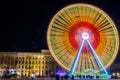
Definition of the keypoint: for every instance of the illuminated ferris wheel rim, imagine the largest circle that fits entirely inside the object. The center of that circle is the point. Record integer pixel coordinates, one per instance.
(74, 5)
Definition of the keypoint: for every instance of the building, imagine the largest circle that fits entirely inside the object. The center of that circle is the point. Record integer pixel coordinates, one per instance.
(115, 70)
(27, 63)
(39, 63)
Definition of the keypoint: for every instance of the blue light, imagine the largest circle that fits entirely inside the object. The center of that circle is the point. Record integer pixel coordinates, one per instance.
(72, 70)
(97, 58)
(85, 37)
(61, 72)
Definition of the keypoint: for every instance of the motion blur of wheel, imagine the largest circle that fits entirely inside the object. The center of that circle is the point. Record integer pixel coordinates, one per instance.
(64, 37)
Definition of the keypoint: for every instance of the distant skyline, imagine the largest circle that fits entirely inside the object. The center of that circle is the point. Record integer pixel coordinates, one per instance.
(25, 22)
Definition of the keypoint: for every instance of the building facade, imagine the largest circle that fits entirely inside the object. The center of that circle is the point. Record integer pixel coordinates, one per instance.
(115, 70)
(27, 63)
(39, 63)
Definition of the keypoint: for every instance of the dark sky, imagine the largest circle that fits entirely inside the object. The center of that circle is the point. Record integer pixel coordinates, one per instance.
(24, 23)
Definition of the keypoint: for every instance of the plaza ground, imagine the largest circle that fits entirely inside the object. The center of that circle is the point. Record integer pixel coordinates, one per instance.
(49, 79)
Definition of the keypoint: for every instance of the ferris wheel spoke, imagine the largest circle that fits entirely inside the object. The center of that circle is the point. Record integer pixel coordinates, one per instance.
(105, 29)
(78, 16)
(66, 18)
(96, 57)
(69, 17)
(103, 21)
(106, 23)
(61, 29)
(78, 9)
(93, 64)
(61, 24)
(97, 17)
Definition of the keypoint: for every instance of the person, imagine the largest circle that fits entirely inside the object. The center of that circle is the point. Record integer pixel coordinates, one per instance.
(32, 76)
(80, 76)
(66, 77)
(57, 77)
(72, 77)
(52, 76)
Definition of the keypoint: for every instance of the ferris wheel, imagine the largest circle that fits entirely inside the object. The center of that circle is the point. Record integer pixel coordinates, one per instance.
(82, 36)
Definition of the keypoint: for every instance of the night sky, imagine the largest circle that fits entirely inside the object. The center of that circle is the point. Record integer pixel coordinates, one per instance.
(24, 23)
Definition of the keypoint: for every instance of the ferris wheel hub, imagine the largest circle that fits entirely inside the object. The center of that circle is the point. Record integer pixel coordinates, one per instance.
(85, 36)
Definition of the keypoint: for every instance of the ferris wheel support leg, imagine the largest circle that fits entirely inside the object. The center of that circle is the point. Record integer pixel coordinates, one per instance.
(97, 58)
(74, 64)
